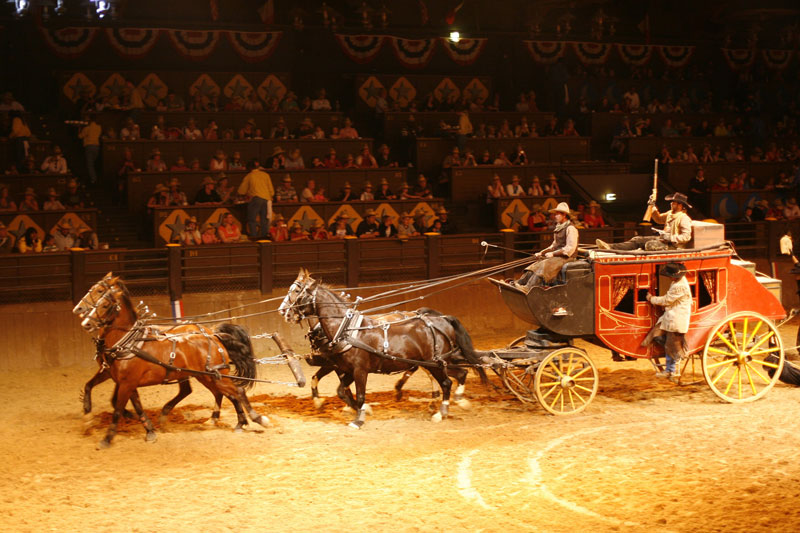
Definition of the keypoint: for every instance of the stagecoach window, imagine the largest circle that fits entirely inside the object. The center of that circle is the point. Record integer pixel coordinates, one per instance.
(623, 297)
(707, 289)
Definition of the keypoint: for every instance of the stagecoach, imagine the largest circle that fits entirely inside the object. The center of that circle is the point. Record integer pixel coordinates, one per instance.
(733, 341)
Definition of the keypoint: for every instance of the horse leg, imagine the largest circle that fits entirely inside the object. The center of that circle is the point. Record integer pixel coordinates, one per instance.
(445, 383)
(345, 394)
(321, 373)
(148, 426)
(398, 387)
(184, 390)
(100, 376)
(127, 414)
(461, 378)
(360, 378)
(254, 415)
(218, 396)
(123, 394)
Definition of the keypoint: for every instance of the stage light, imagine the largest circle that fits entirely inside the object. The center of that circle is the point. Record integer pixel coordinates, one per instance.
(610, 196)
(455, 36)
(21, 7)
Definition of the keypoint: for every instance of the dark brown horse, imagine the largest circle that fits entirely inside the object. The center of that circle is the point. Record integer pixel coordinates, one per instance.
(138, 356)
(432, 341)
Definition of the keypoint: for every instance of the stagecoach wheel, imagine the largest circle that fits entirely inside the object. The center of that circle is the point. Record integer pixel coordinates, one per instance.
(691, 370)
(739, 355)
(520, 340)
(518, 376)
(566, 381)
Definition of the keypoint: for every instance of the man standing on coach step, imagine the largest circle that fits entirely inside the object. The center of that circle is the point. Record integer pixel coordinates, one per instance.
(258, 186)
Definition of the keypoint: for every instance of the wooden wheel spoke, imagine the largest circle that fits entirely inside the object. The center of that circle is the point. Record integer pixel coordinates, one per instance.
(578, 396)
(559, 395)
(762, 340)
(730, 381)
(769, 350)
(740, 383)
(582, 379)
(723, 339)
(725, 362)
(549, 375)
(750, 380)
(721, 352)
(719, 376)
(583, 388)
(582, 372)
(753, 335)
(765, 363)
(571, 401)
(548, 393)
(752, 366)
(732, 329)
(554, 367)
(551, 384)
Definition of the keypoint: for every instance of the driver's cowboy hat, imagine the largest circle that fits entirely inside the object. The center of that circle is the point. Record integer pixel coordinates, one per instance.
(680, 198)
(673, 270)
(562, 208)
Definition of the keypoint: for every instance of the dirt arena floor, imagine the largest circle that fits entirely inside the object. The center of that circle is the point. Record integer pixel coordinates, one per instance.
(645, 456)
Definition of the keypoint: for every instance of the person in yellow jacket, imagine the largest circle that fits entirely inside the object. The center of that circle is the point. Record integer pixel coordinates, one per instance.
(90, 135)
(258, 186)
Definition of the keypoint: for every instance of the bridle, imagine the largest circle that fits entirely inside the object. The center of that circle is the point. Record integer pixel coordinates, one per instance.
(99, 318)
(294, 306)
(89, 300)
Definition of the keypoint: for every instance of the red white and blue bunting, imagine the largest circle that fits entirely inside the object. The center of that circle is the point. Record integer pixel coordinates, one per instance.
(777, 59)
(676, 56)
(69, 42)
(635, 54)
(739, 58)
(194, 44)
(546, 52)
(465, 51)
(361, 48)
(592, 53)
(413, 53)
(254, 47)
(132, 43)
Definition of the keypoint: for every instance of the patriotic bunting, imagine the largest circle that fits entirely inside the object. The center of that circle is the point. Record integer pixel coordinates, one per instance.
(739, 58)
(413, 53)
(676, 56)
(194, 44)
(132, 43)
(361, 48)
(592, 53)
(69, 42)
(777, 59)
(465, 51)
(635, 54)
(254, 47)
(544, 52)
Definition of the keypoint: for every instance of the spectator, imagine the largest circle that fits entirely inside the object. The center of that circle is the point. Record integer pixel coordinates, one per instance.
(366, 193)
(569, 129)
(348, 131)
(514, 188)
(422, 189)
(464, 129)
(319, 195)
(55, 164)
(667, 130)
(5, 240)
(519, 157)
(387, 227)
(72, 197)
(191, 132)
(289, 103)
(698, 189)
(210, 132)
(248, 130)
(791, 211)
(208, 234)
(307, 194)
(52, 203)
(64, 238)
(495, 189)
(453, 159)
(505, 131)
(721, 184)
(421, 220)
(551, 129)
(29, 202)
(236, 162)
(305, 130)
(384, 193)
(522, 129)
(537, 221)
(535, 189)
(469, 159)
(318, 233)
(130, 131)
(632, 100)
(258, 186)
(155, 163)
(190, 236)
(207, 195)
(180, 165)
(331, 161)
(175, 103)
(285, 191)
(20, 136)
(594, 218)
(321, 102)
(297, 233)
(552, 188)
(703, 130)
(90, 134)
(406, 227)
(229, 230)
(225, 191)
(404, 193)
(29, 166)
(277, 161)
(502, 160)
(522, 104)
(294, 161)
(721, 130)
(384, 159)
(252, 103)
(87, 239)
(29, 242)
(443, 224)
(349, 162)
(365, 159)
(776, 211)
(176, 195)
(346, 194)
(49, 244)
(7, 204)
(368, 228)
(340, 228)
(9, 103)
(485, 159)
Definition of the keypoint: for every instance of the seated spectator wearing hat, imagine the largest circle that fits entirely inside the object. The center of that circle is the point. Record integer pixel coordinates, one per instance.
(297, 233)
(286, 191)
(495, 189)
(346, 193)
(49, 244)
(365, 159)
(155, 163)
(340, 228)
(348, 131)
(406, 227)
(191, 132)
(563, 250)
(405, 192)
(176, 195)
(537, 221)
(698, 188)
(211, 131)
(442, 224)
(676, 234)
(87, 239)
(219, 161)
(552, 188)
(225, 191)
(229, 231)
(502, 160)
(791, 211)
(536, 188)
(279, 130)
(674, 323)
(277, 161)
(453, 159)
(294, 161)
(208, 234)
(318, 233)
(422, 189)
(384, 157)
(307, 194)
(207, 195)
(331, 161)
(305, 130)
(55, 163)
(5, 240)
(514, 188)
(366, 194)
(368, 228)
(349, 162)
(279, 232)
(384, 193)
(721, 184)
(248, 131)
(52, 203)
(29, 242)
(180, 165)
(29, 202)
(387, 227)
(73, 197)
(64, 237)
(29, 165)
(159, 198)
(190, 235)
(594, 218)
(776, 211)
(7, 204)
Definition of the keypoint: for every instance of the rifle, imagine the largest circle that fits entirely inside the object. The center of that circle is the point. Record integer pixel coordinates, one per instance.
(651, 203)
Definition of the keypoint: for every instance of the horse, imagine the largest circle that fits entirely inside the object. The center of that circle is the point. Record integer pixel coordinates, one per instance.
(138, 356)
(436, 342)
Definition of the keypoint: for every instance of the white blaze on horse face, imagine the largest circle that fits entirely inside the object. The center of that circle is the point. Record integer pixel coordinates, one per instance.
(286, 307)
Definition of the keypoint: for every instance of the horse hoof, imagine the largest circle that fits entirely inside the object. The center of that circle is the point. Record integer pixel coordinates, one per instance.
(436, 417)
(238, 430)
(103, 445)
(150, 437)
(356, 424)
(464, 403)
(319, 402)
(367, 408)
(88, 418)
(264, 421)
(162, 420)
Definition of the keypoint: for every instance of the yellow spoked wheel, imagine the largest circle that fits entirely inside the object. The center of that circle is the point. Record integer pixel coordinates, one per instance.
(743, 357)
(566, 381)
(691, 370)
(518, 377)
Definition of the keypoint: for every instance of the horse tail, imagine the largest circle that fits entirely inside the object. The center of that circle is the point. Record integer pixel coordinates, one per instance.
(464, 342)
(236, 340)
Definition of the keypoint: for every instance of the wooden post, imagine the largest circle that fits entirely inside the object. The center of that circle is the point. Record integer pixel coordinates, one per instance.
(174, 271)
(433, 252)
(265, 251)
(78, 265)
(352, 252)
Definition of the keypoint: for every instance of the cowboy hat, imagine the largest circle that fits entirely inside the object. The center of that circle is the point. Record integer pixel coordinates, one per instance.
(2, 226)
(593, 204)
(29, 190)
(680, 198)
(207, 226)
(722, 180)
(52, 191)
(277, 217)
(404, 185)
(161, 188)
(192, 219)
(441, 211)
(287, 178)
(208, 180)
(384, 181)
(672, 270)
(174, 181)
(367, 184)
(369, 213)
(562, 208)
(277, 151)
(346, 185)
(536, 179)
(405, 214)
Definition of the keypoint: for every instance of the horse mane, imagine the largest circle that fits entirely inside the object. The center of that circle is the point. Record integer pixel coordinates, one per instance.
(125, 297)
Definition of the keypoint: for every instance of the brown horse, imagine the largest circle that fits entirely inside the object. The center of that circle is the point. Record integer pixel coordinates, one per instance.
(138, 356)
(365, 345)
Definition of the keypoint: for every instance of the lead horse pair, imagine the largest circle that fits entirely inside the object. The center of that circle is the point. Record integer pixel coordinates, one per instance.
(357, 345)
